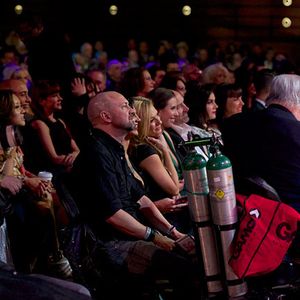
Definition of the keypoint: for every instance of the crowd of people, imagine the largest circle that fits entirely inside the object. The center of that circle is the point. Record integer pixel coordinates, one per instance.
(111, 128)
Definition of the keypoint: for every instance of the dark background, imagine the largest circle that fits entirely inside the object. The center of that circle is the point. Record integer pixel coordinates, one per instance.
(211, 20)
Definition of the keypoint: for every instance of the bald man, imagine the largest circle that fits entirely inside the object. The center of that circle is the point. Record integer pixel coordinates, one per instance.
(135, 234)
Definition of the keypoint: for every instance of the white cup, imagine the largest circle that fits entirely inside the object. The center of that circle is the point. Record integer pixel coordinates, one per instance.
(45, 175)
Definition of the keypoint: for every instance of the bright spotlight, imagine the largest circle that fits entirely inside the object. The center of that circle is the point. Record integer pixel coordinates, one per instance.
(186, 10)
(287, 2)
(18, 9)
(113, 10)
(286, 22)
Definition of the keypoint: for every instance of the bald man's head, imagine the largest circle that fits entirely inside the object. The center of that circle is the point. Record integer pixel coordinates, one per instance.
(101, 102)
(110, 111)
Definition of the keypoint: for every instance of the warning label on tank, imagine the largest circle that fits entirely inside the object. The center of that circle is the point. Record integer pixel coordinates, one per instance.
(220, 194)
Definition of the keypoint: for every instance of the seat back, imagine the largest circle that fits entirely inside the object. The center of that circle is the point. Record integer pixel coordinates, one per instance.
(257, 185)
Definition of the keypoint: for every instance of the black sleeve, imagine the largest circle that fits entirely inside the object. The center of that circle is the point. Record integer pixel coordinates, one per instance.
(141, 152)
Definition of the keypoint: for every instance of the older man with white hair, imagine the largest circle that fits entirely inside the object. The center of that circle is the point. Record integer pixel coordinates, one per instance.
(267, 143)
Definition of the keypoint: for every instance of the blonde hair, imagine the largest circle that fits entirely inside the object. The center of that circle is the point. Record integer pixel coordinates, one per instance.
(142, 106)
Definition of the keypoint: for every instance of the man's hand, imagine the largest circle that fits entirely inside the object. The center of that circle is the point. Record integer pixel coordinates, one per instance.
(78, 86)
(11, 183)
(163, 242)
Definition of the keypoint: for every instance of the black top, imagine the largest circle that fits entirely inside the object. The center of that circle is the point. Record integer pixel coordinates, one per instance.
(137, 155)
(36, 158)
(105, 184)
(61, 138)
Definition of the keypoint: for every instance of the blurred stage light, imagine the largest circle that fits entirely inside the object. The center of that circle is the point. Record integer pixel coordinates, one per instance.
(287, 2)
(186, 10)
(113, 10)
(286, 22)
(18, 9)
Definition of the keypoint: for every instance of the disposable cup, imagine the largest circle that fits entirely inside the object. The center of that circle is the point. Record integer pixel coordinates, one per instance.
(45, 175)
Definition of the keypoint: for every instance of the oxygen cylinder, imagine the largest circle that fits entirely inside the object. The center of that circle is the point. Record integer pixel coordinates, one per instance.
(224, 214)
(195, 178)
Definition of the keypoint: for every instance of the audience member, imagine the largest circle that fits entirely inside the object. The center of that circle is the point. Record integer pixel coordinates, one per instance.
(215, 73)
(51, 147)
(14, 71)
(149, 152)
(203, 110)
(262, 82)
(32, 246)
(98, 77)
(114, 75)
(151, 156)
(266, 143)
(20, 89)
(174, 80)
(21, 286)
(123, 217)
(165, 102)
(229, 101)
(157, 73)
(137, 82)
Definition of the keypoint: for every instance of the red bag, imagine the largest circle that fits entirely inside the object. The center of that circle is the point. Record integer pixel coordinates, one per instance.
(266, 230)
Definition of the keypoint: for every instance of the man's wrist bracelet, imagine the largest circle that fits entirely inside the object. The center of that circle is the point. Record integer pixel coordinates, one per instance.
(149, 234)
(170, 230)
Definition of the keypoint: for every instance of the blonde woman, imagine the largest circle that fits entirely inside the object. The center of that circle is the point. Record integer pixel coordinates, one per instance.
(150, 153)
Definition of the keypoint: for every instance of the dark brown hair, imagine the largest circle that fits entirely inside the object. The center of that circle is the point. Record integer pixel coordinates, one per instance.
(6, 106)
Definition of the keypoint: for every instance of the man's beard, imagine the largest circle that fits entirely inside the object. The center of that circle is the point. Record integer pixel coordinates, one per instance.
(130, 127)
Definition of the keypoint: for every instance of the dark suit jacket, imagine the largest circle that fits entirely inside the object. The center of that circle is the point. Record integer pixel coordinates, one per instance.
(267, 144)
(177, 139)
(256, 106)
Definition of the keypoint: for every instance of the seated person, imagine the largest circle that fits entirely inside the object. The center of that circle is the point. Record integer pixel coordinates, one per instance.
(228, 97)
(135, 234)
(165, 103)
(266, 143)
(38, 287)
(32, 226)
(150, 154)
(197, 121)
(49, 147)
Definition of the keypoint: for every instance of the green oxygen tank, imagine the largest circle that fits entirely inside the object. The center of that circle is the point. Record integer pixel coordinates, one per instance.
(224, 215)
(195, 177)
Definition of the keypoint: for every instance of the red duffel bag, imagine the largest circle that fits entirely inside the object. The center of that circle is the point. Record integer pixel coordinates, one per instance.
(266, 230)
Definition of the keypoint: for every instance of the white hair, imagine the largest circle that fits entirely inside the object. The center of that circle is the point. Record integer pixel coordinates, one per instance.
(285, 89)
